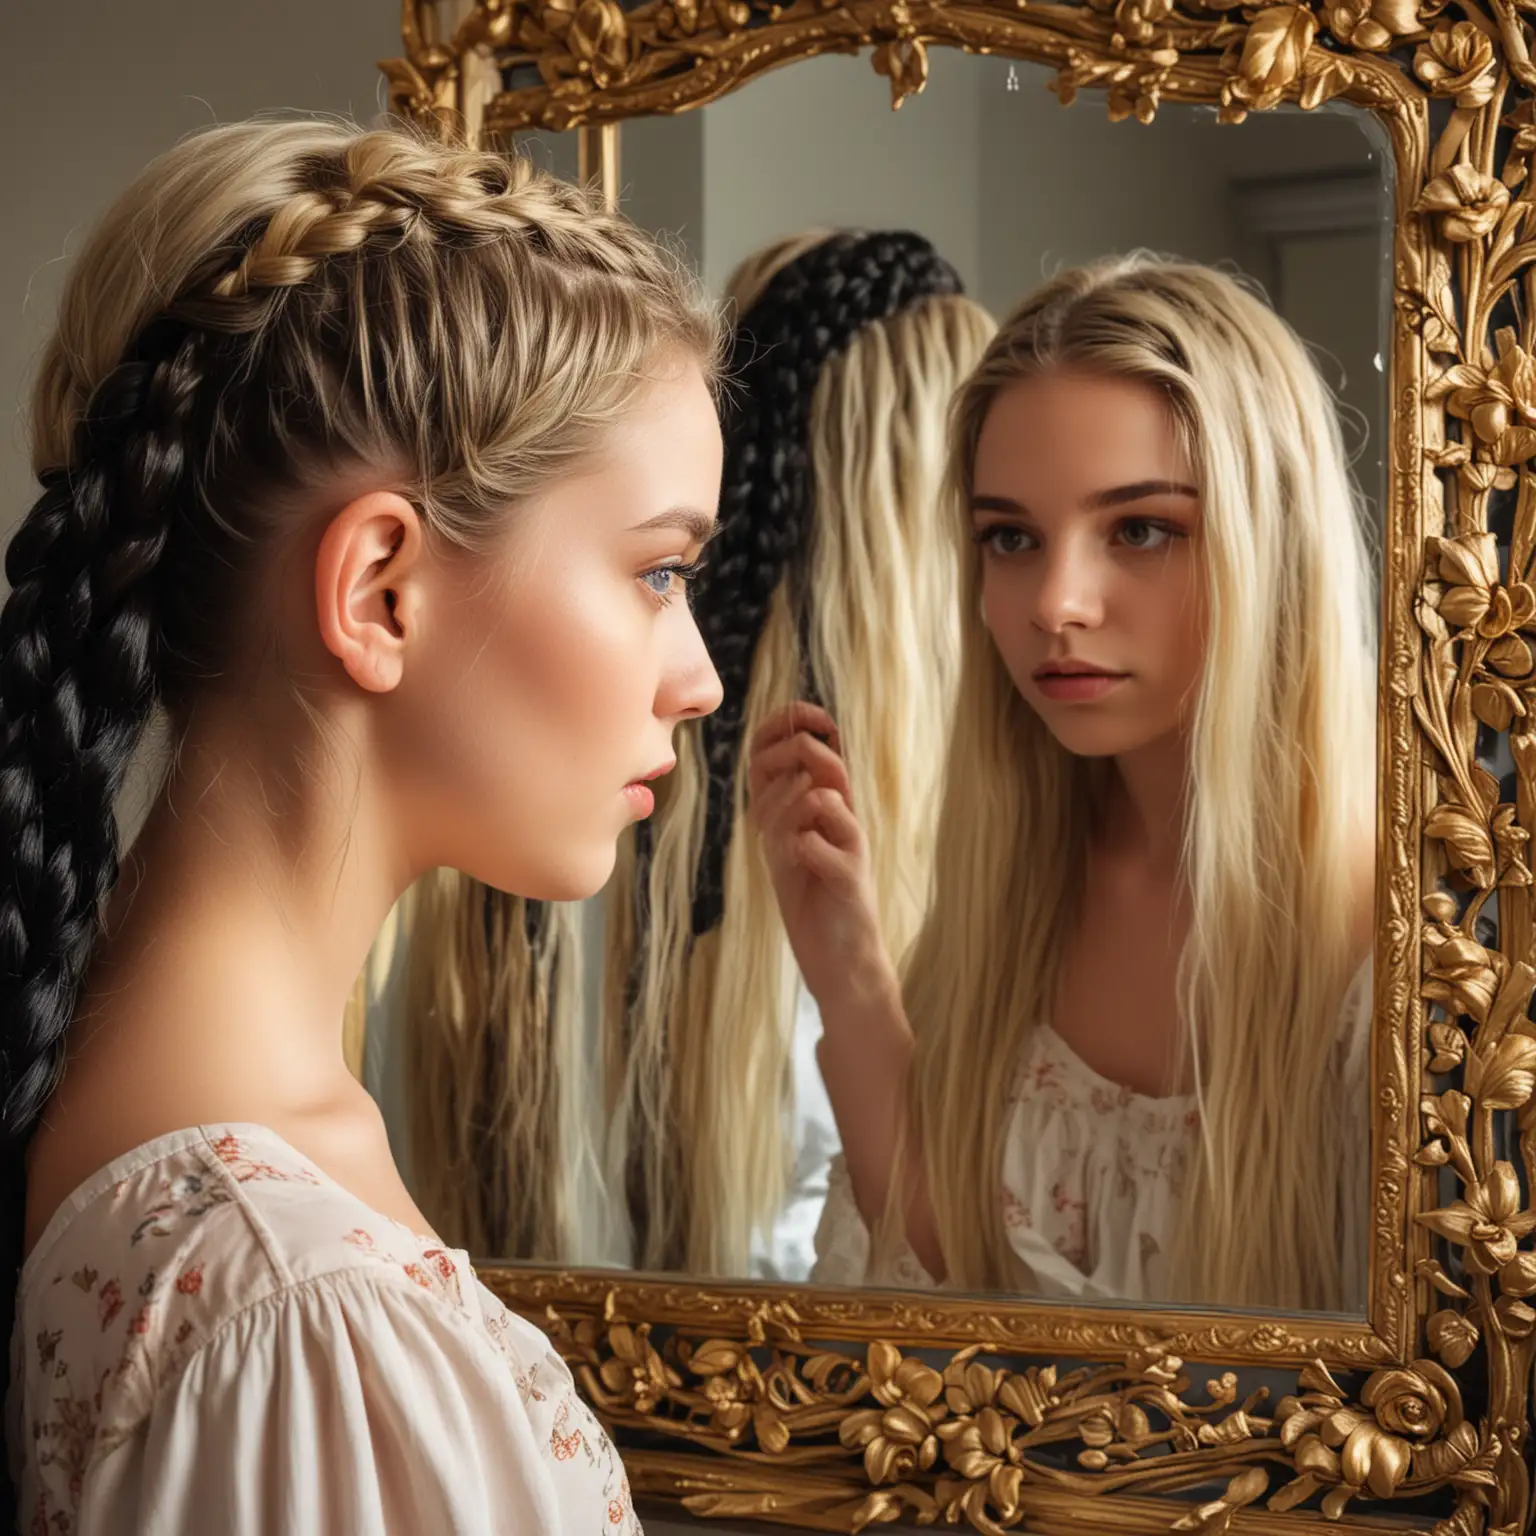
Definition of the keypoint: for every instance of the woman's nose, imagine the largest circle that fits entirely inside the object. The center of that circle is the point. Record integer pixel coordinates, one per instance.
(1070, 593)
(692, 686)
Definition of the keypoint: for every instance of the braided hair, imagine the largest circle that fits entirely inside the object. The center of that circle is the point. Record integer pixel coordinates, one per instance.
(806, 315)
(270, 305)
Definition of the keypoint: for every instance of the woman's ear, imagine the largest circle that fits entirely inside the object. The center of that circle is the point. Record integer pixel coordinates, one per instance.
(368, 587)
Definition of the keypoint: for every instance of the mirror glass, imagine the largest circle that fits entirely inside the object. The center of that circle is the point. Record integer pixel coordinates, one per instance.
(1079, 1142)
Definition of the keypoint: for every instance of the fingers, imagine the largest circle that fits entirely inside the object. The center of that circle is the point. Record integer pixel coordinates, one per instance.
(819, 858)
(766, 809)
(826, 812)
(793, 805)
(799, 716)
(800, 751)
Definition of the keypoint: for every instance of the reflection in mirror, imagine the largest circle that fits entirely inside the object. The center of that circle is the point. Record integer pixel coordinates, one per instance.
(943, 960)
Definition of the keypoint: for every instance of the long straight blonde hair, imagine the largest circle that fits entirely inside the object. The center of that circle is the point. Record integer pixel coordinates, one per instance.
(1276, 849)
(701, 1028)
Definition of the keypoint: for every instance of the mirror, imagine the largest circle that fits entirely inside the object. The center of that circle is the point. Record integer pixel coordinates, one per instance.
(703, 1139)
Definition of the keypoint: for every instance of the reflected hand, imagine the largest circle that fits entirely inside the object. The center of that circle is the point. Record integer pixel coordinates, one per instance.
(800, 800)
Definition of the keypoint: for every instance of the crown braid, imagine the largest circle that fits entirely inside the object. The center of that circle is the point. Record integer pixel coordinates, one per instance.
(807, 314)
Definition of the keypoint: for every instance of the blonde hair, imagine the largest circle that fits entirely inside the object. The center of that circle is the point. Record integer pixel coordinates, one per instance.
(700, 1028)
(1278, 815)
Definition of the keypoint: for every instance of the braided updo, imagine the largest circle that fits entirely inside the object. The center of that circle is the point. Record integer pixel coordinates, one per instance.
(271, 305)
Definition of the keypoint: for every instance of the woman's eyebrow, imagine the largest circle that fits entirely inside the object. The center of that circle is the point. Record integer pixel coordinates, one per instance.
(1114, 496)
(701, 527)
(1004, 504)
(1118, 496)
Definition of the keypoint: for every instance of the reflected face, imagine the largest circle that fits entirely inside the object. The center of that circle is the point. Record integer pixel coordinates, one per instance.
(549, 687)
(1086, 514)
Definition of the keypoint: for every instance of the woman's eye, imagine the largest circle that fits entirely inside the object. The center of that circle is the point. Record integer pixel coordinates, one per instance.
(664, 582)
(1138, 533)
(1005, 539)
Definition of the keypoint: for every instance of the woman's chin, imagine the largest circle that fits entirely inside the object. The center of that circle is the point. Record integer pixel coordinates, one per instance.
(568, 878)
(1099, 738)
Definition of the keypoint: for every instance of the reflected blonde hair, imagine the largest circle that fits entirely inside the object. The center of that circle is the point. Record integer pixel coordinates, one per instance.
(699, 1052)
(1279, 826)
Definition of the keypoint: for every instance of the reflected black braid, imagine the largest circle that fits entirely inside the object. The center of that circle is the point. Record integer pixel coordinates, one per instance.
(78, 682)
(808, 314)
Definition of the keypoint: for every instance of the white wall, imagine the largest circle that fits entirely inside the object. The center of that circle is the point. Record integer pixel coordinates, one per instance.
(91, 91)
(817, 144)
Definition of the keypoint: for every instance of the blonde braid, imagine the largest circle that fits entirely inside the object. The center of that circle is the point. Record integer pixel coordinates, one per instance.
(411, 192)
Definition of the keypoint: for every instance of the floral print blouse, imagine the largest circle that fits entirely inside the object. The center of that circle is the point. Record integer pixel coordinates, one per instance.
(214, 1336)
(1093, 1178)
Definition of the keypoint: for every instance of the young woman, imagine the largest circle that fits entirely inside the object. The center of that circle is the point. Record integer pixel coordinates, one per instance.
(1132, 1033)
(379, 466)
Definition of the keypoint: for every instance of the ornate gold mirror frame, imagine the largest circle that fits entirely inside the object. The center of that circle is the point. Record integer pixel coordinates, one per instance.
(1417, 1418)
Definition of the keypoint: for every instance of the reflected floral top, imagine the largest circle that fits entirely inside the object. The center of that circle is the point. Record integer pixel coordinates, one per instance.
(214, 1336)
(1093, 1175)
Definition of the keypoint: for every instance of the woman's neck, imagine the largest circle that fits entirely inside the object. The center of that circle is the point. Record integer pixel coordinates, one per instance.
(251, 897)
(1144, 805)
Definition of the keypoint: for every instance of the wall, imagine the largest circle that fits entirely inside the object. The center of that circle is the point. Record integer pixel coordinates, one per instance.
(90, 92)
(818, 144)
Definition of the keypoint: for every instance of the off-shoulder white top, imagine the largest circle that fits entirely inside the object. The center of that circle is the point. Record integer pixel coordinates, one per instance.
(214, 1336)
(1093, 1175)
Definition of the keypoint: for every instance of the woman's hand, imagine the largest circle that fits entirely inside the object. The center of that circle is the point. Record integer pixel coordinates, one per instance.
(801, 802)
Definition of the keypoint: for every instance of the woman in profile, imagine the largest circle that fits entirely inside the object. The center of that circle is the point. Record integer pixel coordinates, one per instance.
(1126, 1058)
(378, 466)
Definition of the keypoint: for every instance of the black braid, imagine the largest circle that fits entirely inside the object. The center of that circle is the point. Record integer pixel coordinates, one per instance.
(808, 314)
(78, 652)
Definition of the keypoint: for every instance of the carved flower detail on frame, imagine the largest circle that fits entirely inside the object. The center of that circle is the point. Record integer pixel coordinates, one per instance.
(1488, 1223)
(1461, 975)
(982, 1450)
(1476, 602)
(904, 62)
(732, 1384)
(1467, 201)
(1410, 1409)
(1500, 404)
(1273, 52)
(1139, 21)
(685, 16)
(599, 38)
(898, 1438)
(1487, 850)
(635, 1371)
(1373, 25)
(979, 1444)
(1458, 61)
(593, 34)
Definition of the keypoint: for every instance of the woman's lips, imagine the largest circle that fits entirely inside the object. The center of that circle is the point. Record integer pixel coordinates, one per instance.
(1078, 687)
(641, 796)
